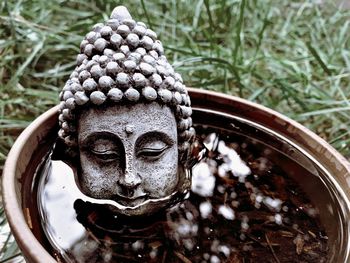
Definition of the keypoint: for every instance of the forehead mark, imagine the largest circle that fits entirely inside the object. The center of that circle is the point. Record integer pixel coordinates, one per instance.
(129, 129)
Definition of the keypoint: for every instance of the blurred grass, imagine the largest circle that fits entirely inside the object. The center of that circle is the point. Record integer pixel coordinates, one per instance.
(291, 56)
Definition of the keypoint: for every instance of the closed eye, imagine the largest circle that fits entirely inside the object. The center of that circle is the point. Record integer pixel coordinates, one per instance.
(151, 146)
(107, 155)
(152, 153)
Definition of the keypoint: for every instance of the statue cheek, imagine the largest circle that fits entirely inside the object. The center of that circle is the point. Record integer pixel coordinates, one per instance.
(98, 180)
(160, 180)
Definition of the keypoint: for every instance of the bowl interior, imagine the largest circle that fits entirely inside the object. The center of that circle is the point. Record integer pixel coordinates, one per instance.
(326, 182)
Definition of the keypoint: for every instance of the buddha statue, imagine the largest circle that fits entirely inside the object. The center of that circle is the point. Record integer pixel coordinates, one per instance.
(125, 116)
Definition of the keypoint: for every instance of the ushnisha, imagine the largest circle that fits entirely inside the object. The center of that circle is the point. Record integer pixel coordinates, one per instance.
(122, 65)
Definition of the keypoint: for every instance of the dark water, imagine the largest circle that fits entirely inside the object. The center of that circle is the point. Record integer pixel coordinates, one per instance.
(244, 206)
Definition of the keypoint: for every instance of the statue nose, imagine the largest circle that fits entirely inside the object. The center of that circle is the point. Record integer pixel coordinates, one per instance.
(130, 179)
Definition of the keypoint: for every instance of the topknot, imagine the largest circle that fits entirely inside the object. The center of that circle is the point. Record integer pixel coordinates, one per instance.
(123, 61)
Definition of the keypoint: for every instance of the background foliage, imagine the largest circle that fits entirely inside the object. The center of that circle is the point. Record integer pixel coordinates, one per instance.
(291, 56)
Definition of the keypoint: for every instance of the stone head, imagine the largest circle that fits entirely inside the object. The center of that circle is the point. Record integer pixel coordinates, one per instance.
(126, 116)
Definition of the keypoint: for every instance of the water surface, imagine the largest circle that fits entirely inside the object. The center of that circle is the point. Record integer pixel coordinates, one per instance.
(245, 204)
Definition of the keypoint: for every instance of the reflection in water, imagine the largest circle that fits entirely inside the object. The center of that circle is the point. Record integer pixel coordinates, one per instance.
(243, 207)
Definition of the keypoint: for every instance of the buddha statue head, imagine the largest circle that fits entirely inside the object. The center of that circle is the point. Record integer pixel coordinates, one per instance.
(125, 115)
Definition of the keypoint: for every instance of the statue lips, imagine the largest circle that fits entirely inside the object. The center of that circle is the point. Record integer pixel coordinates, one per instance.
(130, 201)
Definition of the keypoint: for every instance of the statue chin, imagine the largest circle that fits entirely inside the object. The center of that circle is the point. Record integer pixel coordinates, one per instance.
(147, 207)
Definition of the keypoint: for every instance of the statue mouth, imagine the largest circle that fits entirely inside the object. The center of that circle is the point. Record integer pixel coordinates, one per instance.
(130, 197)
(130, 201)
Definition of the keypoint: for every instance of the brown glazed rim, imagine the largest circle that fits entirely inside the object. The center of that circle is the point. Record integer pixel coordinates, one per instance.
(32, 250)
(39, 128)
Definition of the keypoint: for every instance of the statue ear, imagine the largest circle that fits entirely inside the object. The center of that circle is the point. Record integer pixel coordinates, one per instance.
(62, 152)
(185, 180)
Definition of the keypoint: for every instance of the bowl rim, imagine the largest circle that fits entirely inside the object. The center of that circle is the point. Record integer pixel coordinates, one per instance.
(31, 248)
(29, 245)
